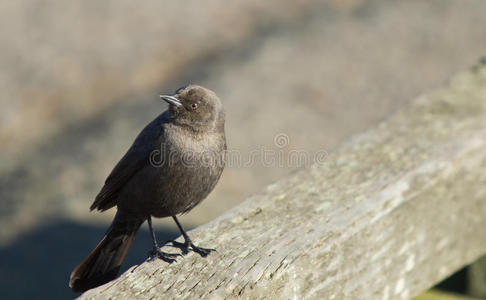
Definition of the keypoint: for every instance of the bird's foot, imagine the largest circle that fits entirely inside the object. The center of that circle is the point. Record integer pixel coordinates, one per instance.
(167, 257)
(188, 245)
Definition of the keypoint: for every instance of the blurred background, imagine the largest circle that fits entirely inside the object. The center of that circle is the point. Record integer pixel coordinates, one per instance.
(80, 79)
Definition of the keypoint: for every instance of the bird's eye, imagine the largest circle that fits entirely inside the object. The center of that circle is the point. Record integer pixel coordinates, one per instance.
(194, 105)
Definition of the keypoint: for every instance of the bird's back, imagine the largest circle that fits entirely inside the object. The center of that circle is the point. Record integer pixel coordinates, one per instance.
(136, 159)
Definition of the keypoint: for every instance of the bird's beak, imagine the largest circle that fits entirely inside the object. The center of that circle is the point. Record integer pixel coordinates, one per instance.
(171, 100)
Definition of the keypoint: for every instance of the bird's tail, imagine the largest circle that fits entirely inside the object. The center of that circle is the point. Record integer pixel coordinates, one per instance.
(104, 262)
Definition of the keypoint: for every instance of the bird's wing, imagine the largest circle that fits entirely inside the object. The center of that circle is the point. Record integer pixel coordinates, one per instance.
(136, 158)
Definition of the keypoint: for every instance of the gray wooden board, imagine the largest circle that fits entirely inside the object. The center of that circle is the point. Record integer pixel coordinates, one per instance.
(387, 215)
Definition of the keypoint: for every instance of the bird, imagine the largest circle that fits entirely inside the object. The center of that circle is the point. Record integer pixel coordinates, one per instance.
(173, 164)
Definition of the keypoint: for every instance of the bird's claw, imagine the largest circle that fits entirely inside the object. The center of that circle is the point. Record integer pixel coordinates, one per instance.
(185, 247)
(167, 257)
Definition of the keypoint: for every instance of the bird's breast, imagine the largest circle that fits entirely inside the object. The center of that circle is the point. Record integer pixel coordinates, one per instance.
(192, 167)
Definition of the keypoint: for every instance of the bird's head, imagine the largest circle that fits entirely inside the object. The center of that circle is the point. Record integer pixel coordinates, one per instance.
(196, 107)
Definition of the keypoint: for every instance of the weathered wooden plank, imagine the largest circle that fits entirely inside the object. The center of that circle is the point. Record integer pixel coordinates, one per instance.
(387, 215)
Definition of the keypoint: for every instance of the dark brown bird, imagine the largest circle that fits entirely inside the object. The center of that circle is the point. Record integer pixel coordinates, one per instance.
(173, 164)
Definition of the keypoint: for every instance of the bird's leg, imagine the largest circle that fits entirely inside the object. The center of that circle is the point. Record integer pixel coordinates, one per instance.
(156, 252)
(188, 243)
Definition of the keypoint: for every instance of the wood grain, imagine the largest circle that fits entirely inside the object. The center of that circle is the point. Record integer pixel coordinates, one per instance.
(389, 214)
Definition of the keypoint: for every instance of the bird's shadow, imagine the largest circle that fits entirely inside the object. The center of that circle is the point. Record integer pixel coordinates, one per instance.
(37, 264)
